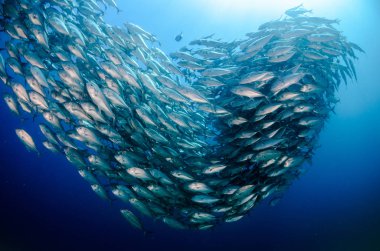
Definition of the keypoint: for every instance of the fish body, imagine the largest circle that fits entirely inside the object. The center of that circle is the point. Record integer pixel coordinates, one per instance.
(132, 219)
(27, 140)
(99, 99)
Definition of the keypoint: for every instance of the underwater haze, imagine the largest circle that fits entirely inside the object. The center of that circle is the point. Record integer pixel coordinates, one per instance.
(334, 205)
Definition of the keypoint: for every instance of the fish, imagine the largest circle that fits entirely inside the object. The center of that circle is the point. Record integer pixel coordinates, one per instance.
(139, 173)
(297, 11)
(51, 146)
(178, 37)
(99, 99)
(27, 140)
(204, 199)
(100, 191)
(132, 219)
(255, 76)
(11, 103)
(246, 92)
(198, 187)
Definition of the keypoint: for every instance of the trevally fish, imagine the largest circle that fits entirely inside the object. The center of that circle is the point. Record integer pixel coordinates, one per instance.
(193, 138)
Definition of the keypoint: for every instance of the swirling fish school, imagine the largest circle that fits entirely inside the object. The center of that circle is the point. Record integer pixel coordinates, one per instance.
(195, 138)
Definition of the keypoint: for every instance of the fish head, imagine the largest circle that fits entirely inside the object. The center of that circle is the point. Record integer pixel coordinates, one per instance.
(93, 159)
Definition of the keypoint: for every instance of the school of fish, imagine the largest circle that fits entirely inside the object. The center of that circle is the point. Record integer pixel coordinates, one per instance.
(193, 138)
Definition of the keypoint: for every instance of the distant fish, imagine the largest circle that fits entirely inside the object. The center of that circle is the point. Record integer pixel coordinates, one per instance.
(297, 11)
(179, 37)
(209, 36)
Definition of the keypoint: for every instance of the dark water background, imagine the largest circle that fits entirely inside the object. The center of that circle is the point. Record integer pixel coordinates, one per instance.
(335, 206)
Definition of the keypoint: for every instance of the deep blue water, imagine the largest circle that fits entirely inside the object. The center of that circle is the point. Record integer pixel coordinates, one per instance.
(335, 205)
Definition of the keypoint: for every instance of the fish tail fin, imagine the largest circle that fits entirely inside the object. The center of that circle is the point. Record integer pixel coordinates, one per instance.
(118, 10)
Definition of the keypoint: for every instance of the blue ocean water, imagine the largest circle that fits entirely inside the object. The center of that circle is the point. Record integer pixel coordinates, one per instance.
(335, 205)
